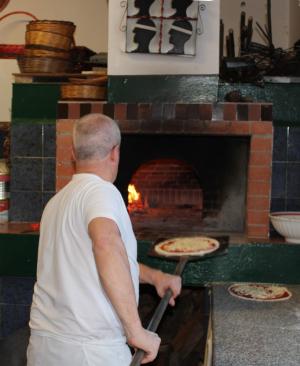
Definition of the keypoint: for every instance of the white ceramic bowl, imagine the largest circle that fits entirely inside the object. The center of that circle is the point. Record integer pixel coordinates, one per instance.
(287, 224)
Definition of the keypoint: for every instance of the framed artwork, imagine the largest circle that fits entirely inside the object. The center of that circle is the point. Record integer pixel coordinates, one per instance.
(162, 26)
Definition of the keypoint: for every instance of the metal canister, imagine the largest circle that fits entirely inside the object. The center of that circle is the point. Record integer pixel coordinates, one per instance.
(4, 186)
(4, 205)
(4, 191)
(4, 180)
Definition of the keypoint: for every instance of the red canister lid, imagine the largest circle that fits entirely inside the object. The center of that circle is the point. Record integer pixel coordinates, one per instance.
(3, 205)
(4, 178)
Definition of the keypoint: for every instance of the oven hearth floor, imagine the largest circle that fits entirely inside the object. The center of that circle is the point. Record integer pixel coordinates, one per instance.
(158, 223)
(155, 229)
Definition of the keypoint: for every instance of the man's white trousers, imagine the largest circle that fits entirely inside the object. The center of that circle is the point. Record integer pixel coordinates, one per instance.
(50, 350)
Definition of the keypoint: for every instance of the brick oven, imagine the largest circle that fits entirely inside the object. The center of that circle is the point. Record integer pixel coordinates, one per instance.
(197, 167)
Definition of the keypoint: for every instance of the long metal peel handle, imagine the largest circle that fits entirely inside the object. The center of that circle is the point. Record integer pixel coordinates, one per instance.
(159, 312)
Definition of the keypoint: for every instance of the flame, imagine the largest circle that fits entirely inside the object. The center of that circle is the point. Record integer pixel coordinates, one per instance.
(133, 195)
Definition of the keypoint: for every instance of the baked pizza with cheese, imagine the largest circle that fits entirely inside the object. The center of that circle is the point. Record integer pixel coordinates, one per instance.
(259, 292)
(190, 246)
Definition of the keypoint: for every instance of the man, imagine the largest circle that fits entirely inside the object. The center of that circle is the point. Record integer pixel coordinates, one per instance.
(84, 307)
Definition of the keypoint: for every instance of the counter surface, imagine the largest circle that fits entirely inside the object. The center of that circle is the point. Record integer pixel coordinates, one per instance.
(251, 333)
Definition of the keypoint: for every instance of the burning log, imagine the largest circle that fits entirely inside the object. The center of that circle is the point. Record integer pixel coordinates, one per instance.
(134, 199)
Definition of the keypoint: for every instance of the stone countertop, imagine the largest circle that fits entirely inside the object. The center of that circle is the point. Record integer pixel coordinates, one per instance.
(247, 333)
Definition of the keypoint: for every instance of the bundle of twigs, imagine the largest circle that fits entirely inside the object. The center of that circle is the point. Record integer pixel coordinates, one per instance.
(256, 60)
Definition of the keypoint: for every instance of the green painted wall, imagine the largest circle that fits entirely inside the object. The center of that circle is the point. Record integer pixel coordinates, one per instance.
(284, 96)
(35, 102)
(270, 263)
(18, 254)
(192, 89)
(276, 263)
(163, 88)
(38, 102)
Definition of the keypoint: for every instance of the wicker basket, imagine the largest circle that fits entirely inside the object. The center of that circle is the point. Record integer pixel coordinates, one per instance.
(43, 65)
(48, 39)
(42, 52)
(79, 92)
(53, 26)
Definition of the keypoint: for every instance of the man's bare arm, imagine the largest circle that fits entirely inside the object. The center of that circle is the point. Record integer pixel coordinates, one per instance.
(114, 273)
(161, 281)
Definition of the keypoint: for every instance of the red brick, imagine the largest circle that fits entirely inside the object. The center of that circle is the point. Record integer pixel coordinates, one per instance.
(258, 231)
(64, 154)
(130, 126)
(260, 158)
(64, 168)
(262, 128)
(205, 111)
(254, 112)
(258, 203)
(144, 111)
(239, 128)
(74, 110)
(217, 127)
(64, 126)
(258, 217)
(96, 107)
(258, 188)
(62, 181)
(120, 111)
(229, 111)
(259, 173)
(64, 140)
(259, 143)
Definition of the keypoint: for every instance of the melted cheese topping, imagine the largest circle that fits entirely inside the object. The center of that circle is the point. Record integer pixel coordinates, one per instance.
(260, 292)
(187, 246)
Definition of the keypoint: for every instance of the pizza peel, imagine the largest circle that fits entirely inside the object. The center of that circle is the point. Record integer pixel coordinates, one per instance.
(182, 261)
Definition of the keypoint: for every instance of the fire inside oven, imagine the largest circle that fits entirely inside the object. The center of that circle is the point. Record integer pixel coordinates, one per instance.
(165, 187)
(180, 185)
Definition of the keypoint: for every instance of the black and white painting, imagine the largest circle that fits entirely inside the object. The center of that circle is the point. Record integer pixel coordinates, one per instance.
(180, 9)
(179, 37)
(162, 27)
(142, 35)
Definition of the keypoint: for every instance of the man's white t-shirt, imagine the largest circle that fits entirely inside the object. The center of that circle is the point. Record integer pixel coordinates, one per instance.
(68, 297)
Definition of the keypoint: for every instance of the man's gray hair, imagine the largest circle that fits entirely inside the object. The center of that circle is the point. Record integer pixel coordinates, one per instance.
(94, 135)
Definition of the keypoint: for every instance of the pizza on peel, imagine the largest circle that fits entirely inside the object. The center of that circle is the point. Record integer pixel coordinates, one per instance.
(259, 292)
(190, 246)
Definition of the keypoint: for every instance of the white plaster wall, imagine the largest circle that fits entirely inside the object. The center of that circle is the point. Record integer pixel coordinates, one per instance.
(205, 62)
(90, 18)
(294, 22)
(231, 11)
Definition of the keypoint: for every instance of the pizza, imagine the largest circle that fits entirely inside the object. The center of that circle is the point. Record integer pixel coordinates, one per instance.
(191, 246)
(259, 292)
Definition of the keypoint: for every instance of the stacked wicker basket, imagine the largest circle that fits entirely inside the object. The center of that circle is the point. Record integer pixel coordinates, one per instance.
(47, 47)
(85, 89)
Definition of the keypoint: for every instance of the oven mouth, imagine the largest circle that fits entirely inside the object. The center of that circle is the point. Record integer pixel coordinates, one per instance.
(208, 194)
